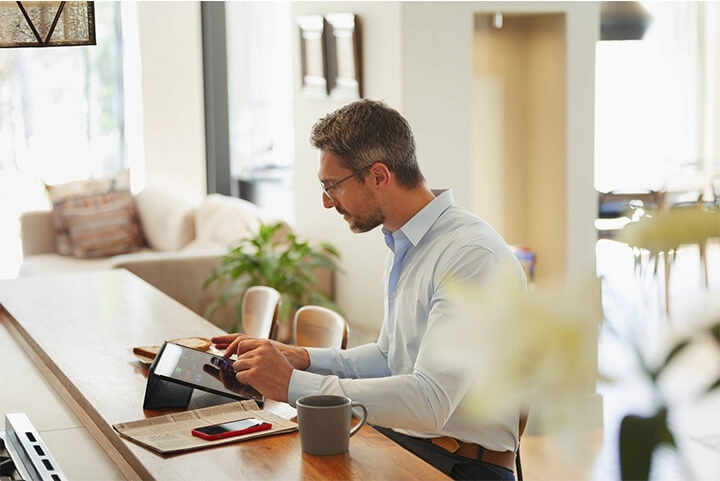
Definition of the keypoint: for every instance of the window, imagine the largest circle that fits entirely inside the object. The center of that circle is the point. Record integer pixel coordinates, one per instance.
(248, 104)
(260, 110)
(62, 118)
(653, 125)
(62, 107)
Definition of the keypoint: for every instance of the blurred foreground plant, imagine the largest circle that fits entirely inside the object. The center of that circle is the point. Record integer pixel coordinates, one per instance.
(524, 348)
(640, 436)
(538, 348)
(662, 233)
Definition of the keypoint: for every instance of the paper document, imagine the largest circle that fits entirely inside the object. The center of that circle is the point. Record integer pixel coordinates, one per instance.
(171, 433)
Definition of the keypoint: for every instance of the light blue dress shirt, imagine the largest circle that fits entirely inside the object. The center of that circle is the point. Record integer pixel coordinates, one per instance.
(395, 379)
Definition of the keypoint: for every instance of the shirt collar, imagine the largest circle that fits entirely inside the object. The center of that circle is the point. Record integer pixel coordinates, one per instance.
(420, 223)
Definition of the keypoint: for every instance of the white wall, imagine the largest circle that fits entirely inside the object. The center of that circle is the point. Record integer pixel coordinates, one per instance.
(437, 88)
(359, 288)
(172, 90)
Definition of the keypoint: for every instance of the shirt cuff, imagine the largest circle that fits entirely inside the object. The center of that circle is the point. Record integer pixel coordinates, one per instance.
(303, 383)
(320, 360)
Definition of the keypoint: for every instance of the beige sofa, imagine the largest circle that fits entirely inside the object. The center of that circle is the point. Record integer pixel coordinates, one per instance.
(183, 243)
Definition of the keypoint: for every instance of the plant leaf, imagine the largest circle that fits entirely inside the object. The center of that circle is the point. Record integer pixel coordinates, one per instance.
(714, 331)
(713, 386)
(639, 437)
(273, 257)
(677, 349)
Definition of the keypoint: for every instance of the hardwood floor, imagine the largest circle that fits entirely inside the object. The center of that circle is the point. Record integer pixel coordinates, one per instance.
(636, 321)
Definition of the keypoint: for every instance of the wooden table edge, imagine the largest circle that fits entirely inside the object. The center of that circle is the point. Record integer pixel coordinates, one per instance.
(110, 442)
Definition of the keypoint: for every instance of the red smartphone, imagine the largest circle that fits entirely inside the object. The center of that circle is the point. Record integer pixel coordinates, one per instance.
(229, 429)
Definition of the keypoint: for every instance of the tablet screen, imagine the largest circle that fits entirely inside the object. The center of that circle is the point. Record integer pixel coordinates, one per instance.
(201, 370)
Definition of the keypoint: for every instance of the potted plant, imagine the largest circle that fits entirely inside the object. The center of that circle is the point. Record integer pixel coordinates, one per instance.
(274, 257)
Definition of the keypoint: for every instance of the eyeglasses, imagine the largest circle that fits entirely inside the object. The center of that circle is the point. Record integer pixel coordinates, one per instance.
(326, 189)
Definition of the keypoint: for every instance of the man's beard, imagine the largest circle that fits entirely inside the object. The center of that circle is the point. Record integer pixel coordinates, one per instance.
(366, 223)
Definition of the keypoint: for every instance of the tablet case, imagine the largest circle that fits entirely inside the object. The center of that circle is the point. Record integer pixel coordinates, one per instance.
(165, 393)
(162, 393)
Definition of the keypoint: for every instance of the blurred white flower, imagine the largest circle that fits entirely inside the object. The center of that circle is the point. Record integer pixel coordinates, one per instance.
(536, 348)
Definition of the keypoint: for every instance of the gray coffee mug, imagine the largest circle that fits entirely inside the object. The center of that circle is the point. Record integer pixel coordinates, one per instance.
(324, 423)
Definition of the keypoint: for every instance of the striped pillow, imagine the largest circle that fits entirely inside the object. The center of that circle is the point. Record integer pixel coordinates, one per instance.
(61, 192)
(98, 225)
(77, 193)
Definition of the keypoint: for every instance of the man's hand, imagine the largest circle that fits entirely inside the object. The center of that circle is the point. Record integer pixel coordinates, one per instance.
(261, 365)
(224, 341)
(298, 357)
(264, 364)
(225, 377)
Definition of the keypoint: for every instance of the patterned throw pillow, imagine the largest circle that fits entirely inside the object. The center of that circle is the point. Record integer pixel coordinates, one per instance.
(101, 225)
(96, 217)
(61, 192)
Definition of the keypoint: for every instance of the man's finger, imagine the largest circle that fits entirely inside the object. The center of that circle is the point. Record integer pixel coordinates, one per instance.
(231, 348)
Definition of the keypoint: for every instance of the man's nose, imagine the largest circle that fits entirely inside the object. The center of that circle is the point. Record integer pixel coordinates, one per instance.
(328, 202)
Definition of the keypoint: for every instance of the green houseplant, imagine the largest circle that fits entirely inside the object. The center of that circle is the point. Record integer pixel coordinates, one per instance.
(274, 257)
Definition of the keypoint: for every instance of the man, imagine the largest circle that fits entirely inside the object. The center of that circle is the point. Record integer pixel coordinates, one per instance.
(369, 173)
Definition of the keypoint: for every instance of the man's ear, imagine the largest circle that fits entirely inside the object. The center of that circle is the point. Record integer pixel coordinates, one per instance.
(380, 174)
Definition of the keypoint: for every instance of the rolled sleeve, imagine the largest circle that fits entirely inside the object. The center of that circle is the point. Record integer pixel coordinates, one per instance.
(327, 365)
(359, 362)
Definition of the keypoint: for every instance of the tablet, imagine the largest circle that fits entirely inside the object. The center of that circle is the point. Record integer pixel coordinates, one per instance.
(200, 370)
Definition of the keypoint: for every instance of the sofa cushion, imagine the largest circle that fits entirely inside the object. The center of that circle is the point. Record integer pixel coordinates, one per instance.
(103, 216)
(100, 225)
(53, 263)
(167, 221)
(221, 221)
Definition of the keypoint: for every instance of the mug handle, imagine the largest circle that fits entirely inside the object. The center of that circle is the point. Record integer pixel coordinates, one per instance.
(362, 418)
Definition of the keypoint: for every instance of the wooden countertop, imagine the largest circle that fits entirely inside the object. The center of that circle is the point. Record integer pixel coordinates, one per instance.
(81, 327)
